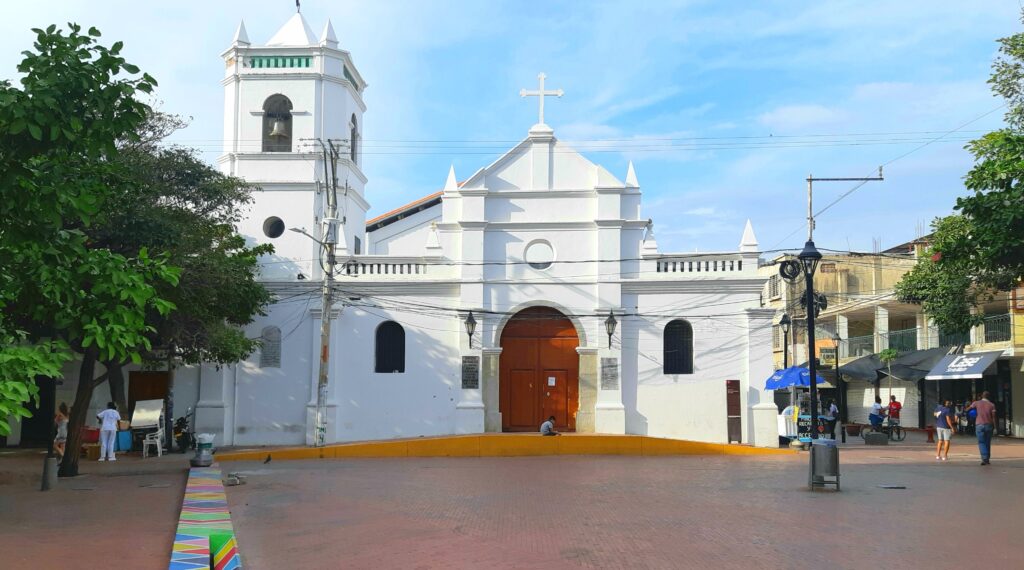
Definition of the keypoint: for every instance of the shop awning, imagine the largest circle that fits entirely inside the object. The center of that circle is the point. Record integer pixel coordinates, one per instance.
(865, 368)
(963, 366)
(915, 365)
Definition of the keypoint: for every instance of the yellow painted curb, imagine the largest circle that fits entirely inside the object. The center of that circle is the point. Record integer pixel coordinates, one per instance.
(504, 445)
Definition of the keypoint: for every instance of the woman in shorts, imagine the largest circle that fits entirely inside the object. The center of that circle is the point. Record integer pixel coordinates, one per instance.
(61, 419)
(944, 425)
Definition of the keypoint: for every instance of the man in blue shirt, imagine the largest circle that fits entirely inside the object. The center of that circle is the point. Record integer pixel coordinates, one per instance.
(548, 427)
(944, 424)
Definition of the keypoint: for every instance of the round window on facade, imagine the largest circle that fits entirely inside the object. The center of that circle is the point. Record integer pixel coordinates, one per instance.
(539, 254)
(273, 227)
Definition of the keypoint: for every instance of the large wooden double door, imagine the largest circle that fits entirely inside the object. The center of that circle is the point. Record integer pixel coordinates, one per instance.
(539, 372)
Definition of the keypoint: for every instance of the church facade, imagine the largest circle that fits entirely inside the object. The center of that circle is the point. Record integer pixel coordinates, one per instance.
(543, 247)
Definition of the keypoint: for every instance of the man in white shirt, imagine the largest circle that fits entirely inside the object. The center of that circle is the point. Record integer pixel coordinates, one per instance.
(548, 427)
(108, 431)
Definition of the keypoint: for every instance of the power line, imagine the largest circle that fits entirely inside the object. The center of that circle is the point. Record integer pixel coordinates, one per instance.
(904, 155)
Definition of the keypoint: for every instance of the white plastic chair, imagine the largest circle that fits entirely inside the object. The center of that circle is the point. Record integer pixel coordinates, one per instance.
(156, 439)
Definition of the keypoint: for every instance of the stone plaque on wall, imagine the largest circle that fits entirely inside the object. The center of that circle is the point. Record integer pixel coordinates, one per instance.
(470, 372)
(609, 373)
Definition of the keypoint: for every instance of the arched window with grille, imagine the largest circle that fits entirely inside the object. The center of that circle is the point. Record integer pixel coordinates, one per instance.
(270, 347)
(353, 139)
(277, 124)
(390, 348)
(678, 348)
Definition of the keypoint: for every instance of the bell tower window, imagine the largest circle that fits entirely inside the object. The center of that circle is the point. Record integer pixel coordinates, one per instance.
(353, 139)
(277, 124)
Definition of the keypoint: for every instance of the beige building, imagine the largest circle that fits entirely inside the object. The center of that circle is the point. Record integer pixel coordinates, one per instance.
(863, 317)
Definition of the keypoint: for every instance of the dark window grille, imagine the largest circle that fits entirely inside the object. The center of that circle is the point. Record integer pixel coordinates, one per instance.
(678, 348)
(390, 348)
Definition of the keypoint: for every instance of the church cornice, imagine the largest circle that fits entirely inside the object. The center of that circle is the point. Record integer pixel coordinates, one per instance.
(300, 156)
(696, 286)
(290, 75)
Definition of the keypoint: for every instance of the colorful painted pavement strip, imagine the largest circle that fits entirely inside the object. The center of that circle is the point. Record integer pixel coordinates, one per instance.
(204, 527)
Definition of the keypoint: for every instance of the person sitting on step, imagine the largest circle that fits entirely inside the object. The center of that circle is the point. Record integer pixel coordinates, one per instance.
(548, 427)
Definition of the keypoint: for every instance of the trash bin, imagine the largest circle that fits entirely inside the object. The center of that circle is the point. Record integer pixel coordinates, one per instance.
(824, 463)
(124, 441)
(204, 450)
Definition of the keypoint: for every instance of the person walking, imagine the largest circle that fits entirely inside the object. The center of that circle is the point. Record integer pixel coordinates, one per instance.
(61, 420)
(108, 431)
(984, 425)
(944, 426)
(833, 417)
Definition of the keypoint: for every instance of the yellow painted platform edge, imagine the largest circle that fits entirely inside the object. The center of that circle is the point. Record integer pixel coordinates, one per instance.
(504, 445)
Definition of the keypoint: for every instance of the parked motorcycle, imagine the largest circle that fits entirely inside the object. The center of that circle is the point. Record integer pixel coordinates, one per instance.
(184, 434)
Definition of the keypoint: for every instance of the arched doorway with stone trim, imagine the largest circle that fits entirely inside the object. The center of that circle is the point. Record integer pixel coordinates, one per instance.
(539, 371)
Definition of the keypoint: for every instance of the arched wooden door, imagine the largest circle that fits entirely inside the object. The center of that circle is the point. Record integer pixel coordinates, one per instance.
(539, 375)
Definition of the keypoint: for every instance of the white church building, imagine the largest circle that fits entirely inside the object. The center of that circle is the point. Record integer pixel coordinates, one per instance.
(541, 245)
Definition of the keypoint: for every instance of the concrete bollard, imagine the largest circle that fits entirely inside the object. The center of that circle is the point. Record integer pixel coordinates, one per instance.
(49, 473)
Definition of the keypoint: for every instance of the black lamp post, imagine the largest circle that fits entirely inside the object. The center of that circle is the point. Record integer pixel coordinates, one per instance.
(470, 327)
(809, 258)
(609, 327)
(785, 323)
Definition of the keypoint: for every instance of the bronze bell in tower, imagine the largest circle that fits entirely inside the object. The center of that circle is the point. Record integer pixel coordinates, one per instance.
(277, 129)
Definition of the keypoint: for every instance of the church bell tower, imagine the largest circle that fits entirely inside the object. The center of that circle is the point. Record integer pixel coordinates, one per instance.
(287, 104)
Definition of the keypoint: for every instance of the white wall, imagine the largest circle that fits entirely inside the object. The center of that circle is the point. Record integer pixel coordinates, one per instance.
(684, 406)
(860, 396)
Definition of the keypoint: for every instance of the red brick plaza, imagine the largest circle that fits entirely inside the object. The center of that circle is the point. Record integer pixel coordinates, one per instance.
(634, 512)
(532, 512)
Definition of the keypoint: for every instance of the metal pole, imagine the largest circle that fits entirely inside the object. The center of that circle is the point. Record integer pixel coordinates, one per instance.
(811, 360)
(810, 210)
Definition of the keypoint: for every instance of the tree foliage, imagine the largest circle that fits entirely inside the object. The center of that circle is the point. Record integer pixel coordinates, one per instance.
(981, 251)
(58, 135)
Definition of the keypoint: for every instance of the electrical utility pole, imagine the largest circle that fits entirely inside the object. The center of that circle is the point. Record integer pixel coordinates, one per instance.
(330, 236)
(809, 262)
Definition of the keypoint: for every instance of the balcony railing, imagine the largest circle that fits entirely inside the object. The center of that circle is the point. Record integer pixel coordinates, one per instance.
(857, 346)
(953, 339)
(903, 340)
(997, 328)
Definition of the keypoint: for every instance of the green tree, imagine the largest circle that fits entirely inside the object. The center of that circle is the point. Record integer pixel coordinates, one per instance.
(58, 133)
(887, 357)
(179, 205)
(947, 287)
(981, 251)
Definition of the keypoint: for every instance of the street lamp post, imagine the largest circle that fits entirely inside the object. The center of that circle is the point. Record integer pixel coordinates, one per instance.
(470, 327)
(840, 389)
(809, 258)
(785, 323)
(609, 326)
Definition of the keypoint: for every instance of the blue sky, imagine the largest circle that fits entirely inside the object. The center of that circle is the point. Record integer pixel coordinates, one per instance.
(741, 89)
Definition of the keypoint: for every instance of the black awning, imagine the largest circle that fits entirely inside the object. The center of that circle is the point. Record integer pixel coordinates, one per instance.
(915, 365)
(963, 366)
(864, 368)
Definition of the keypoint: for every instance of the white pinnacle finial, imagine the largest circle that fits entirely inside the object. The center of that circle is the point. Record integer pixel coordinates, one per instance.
(631, 181)
(540, 93)
(328, 37)
(748, 244)
(451, 184)
(241, 37)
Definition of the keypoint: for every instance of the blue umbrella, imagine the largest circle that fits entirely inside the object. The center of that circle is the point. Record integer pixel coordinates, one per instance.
(792, 376)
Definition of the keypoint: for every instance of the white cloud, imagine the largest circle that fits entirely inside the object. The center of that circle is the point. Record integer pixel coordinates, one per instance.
(797, 119)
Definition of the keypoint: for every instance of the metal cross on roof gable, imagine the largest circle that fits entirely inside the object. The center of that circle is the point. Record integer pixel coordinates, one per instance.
(540, 93)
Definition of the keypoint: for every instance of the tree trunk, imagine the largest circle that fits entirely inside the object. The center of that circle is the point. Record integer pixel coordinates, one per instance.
(79, 410)
(115, 376)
